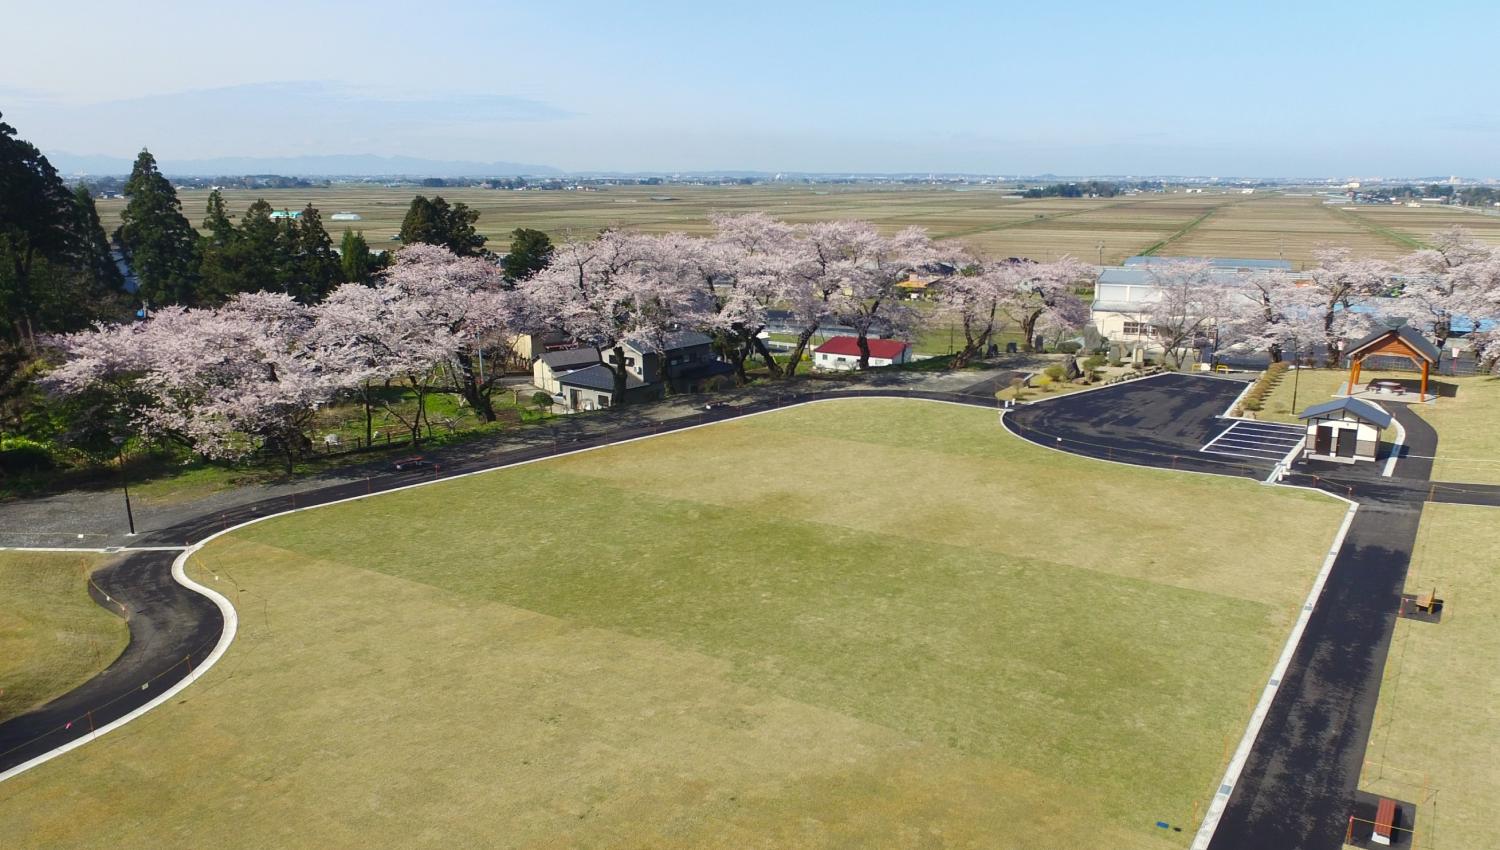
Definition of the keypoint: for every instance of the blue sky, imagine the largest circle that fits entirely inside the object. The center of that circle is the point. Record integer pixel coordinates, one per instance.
(1309, 88)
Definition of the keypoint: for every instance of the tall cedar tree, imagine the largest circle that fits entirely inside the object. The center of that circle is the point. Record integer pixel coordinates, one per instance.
(315, 267)
(35, 217)
(266, 254)
(530, 252)
(157, 238)
(56, 269)
(357, 263)
(435, 222)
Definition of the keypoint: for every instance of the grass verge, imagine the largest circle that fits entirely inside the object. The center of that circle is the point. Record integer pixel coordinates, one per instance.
(52, 635)
(1435, 723)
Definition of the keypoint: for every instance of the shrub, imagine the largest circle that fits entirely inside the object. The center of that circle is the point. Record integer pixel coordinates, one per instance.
(1069, 347)
(541, 400)
(1043, 383)
(1117, 363)
(1094, 362)
(1054, 372)
(20, 454)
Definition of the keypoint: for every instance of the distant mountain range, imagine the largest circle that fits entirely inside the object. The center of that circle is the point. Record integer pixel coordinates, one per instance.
(334, 165)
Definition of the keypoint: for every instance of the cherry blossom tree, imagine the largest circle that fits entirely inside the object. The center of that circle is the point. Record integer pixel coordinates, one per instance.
(1439, 284)
(1338, 284)
(869, 297)
(1192, 304)
(228, 382)
(976, 297)
(1036, 290)
(621, 288)
(742, 268)
(820, 264)
(432, 317)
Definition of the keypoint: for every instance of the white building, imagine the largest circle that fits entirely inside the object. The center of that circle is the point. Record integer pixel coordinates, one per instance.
(1124, 296)
(841, 353)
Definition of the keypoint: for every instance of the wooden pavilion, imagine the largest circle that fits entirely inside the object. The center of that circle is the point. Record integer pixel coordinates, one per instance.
(1404, 341)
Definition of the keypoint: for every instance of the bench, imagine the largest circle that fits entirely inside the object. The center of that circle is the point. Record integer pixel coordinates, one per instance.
(1385, 822)
(1426, 601)
(413, 462)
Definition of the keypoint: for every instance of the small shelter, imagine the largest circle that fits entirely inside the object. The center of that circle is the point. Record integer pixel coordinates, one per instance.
(1404, 341)
(1343, 430)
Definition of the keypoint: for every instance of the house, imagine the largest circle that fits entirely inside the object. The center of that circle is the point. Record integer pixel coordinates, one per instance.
(552, 365)
(1343, 430)
(689, 358)
(841, 353)
(526, 348)
(593, 388)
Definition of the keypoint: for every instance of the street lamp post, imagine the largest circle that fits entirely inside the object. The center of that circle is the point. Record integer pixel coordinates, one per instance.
(124, 483)
(1296, 378)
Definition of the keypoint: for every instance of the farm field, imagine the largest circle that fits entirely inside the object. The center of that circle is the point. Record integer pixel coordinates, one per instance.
(1421, 222)
(1281, 227)
(1435, 723)
(1092, 229)
(52, 635)
(856, 622)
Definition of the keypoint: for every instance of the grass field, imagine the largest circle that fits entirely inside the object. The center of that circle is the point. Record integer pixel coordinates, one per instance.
(1468, 444)
(1092, 229)
(1436, 723)
(52, 635)
(848, 624)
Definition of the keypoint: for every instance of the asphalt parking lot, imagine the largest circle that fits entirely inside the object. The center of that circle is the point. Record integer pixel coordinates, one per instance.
(1164, 420)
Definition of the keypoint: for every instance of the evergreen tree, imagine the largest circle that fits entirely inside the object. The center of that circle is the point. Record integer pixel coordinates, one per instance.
(95, 254)
(355, 260)
(530, 252)
(315, 269)
(435, 222)
(36, 214)
(157, 239)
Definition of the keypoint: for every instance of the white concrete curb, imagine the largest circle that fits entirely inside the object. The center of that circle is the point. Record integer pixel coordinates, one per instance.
(1221, 797)
(231, 625)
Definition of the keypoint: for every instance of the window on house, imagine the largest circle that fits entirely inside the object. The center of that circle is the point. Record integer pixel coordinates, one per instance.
(1138, 329)
(604, 401)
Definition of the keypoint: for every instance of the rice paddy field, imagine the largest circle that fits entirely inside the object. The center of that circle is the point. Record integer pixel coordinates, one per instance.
(1103, 230)
(848, 624)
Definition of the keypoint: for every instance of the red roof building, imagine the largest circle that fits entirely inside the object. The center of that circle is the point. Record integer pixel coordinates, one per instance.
(842, 352)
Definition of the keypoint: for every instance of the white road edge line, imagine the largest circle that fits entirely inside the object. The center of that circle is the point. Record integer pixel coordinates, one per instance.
(106, 550)
(1258, 717)
(1390, 462)
(231, 618)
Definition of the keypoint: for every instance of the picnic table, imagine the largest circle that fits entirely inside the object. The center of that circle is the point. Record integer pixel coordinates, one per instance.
(1386, 386)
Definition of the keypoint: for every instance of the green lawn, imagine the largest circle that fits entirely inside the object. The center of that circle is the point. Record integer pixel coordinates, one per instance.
(52, 635)
(855, 623)
(1436, 723)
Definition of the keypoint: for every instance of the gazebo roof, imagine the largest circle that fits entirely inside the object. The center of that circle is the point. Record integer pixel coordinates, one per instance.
(1413, 340)
(1359, 407)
